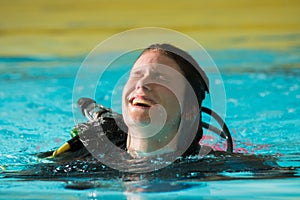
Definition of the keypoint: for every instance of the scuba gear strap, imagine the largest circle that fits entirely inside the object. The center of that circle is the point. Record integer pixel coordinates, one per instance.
(224, 133)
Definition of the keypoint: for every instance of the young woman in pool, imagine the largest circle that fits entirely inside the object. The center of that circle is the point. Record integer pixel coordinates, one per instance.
(161, 104)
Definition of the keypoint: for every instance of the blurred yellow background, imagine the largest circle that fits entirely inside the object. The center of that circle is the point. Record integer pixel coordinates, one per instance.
(74, 27)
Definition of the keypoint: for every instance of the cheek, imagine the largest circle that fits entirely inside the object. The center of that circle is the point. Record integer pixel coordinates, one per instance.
(127, 89)
(170, 101)
(125, 93)
(173, 100)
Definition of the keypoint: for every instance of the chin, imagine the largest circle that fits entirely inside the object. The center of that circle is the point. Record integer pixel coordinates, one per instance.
(140, 120)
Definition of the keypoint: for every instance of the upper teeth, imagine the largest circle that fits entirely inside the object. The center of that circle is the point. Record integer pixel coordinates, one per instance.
(141, 101)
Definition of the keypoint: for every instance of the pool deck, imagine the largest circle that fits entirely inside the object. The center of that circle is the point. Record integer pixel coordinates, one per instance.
(74, 27)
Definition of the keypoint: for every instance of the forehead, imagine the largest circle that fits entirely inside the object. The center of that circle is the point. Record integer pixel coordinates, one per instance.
(155, 57)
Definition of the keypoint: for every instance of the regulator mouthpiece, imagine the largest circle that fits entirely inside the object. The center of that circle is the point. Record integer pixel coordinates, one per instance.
(90, 109)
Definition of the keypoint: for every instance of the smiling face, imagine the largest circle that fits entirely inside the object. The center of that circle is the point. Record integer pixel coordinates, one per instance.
(151, 84)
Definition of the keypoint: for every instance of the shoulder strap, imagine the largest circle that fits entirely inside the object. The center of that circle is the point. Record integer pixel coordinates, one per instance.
(224, 132)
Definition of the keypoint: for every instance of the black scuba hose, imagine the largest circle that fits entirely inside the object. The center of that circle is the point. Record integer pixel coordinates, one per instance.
(224, 133)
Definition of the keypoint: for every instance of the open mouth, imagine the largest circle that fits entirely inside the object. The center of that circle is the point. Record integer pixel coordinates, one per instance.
(141, 102)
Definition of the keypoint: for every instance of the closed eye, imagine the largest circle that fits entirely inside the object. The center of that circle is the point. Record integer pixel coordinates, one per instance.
(161, 77)
(136, 74)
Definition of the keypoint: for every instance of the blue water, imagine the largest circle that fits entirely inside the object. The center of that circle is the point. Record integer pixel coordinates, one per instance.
(263, 109)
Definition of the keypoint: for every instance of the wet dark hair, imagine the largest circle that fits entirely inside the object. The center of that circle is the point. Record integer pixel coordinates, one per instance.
(194, 75)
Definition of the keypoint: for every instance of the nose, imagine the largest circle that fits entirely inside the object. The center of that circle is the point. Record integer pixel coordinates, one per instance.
(143, 84)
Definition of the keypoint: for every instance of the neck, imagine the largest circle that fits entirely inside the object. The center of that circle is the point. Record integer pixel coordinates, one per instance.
(162, 142)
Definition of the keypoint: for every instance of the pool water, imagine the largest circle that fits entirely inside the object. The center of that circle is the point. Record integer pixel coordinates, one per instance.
(263, 109)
